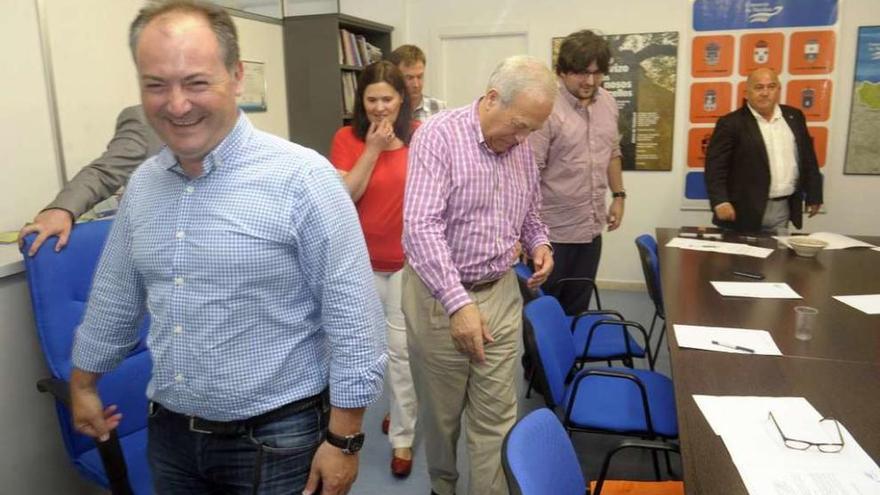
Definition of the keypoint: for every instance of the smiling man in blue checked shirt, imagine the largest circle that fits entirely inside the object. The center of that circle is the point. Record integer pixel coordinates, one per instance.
(247, 253)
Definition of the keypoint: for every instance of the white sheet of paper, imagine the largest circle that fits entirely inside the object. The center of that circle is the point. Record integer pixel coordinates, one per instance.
(700, 337)
(719, 247)
(866, 303)
(768, 467)
(835, 241)
(764, 290)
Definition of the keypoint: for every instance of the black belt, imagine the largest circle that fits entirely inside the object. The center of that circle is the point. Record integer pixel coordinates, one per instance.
(780, 198)
(243, 426)
(480, 285)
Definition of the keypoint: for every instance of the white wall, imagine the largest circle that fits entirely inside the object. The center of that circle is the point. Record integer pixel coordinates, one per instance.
(28, 170)
(655, 197)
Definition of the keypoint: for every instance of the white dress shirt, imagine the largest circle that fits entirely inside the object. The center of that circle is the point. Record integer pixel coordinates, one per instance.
(781, 152)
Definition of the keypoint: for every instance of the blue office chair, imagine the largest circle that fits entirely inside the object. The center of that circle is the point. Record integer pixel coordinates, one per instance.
(616, 400)
(59, 286)
(539, 459)
(596, 338)
(647, 247)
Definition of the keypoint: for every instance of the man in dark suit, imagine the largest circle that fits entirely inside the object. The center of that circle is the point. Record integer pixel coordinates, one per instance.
(760, 166)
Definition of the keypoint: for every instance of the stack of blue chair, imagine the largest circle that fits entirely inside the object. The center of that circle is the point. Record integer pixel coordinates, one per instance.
(616, 400)
(59, 286)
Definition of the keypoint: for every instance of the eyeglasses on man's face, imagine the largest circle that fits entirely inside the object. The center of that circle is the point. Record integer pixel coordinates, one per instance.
(595, 74)
(825, 447)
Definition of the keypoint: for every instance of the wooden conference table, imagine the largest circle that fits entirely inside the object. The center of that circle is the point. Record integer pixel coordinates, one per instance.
(838, 371)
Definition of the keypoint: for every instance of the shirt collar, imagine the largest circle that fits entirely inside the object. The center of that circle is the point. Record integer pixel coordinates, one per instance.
(421, 105)
(777, 114)
(220, 154)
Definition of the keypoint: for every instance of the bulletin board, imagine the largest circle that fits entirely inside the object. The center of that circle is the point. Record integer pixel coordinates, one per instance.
(731, 38)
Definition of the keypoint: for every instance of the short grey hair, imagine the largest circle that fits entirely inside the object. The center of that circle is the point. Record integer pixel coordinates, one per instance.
(217, 17)
(522, 74)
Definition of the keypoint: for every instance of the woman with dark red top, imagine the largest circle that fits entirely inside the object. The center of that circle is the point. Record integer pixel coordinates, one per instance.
(371, 155)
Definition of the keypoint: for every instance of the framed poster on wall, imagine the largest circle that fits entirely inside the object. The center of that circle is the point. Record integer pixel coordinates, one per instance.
(862, 145)
(253, 93)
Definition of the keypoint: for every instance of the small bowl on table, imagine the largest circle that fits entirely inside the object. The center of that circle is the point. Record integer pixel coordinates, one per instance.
(806, 246)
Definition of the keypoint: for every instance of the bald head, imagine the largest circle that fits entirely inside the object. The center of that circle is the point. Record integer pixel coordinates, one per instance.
(762, 73)
(762, 92)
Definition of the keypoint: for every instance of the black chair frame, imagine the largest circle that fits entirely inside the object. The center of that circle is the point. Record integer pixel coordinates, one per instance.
(110, 450)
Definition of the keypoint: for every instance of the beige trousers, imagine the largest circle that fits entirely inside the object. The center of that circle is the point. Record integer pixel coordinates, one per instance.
(448, 384)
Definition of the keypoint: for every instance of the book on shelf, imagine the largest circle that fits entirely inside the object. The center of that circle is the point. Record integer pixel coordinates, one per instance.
(356, 53)
(349, 92)
(339, 50)
(361, 43)
(355, 50)
(347, 48)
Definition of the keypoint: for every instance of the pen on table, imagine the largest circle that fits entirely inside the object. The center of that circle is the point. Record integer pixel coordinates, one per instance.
(734, 347)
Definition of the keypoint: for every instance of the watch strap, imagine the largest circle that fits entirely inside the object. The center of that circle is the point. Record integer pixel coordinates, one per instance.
(349, 444)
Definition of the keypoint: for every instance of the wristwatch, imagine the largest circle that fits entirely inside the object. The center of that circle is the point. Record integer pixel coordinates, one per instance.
(349, 444)
(619, 194)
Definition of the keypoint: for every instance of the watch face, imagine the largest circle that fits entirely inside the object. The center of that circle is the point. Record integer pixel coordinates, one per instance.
(355, 442)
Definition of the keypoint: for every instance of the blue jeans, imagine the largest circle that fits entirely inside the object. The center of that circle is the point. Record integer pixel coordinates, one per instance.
(269, 459)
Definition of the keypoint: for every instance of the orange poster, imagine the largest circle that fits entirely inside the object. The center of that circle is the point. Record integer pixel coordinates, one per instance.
(709, 101)
(712, 56)
(812, 96)
(811, 52)
(819, 136)
(760, 51)
(698, 143)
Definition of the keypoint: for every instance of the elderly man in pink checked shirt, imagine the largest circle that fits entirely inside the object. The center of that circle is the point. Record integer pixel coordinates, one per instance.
(472, 192)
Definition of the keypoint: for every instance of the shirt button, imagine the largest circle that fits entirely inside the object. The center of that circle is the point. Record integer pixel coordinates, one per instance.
(178, 329)
(180, 234)
(178, 281)
(190, 189)
(178, 377)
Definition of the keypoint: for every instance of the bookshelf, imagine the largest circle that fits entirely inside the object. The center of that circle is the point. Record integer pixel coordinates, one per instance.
(314, 74)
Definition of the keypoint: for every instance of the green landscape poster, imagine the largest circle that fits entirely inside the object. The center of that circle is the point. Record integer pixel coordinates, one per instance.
(863, 147)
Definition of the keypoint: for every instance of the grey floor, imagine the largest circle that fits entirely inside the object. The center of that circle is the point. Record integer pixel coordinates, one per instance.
(376, 479)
